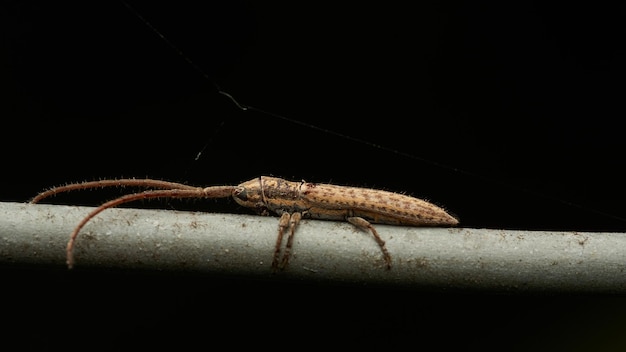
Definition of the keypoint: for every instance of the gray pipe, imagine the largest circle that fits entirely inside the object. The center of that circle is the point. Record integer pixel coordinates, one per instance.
(327, 251)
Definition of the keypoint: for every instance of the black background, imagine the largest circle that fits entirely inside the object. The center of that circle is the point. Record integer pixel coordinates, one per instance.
(507, 114)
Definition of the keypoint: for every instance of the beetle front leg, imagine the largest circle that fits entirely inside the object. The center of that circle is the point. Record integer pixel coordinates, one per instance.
(294, 220)
(282, 225)
(290, 221)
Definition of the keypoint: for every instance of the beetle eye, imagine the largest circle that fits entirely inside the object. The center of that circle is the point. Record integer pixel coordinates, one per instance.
(240, 192)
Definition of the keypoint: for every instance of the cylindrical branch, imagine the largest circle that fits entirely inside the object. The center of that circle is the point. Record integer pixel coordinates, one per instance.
(322, 250)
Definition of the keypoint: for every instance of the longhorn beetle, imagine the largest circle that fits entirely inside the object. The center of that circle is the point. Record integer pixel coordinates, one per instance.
(291, 200)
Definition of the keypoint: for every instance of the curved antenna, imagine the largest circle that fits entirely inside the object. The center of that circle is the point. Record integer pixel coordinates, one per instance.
(123, 182)
(189, 192)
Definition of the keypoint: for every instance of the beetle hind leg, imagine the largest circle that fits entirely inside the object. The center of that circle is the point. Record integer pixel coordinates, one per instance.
(365, 225)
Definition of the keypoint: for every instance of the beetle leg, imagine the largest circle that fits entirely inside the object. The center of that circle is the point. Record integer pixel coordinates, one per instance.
(282, 225)
(365, 225)
(294, 220)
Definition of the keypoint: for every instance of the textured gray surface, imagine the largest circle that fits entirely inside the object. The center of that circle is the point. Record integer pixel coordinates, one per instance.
(323, 250)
